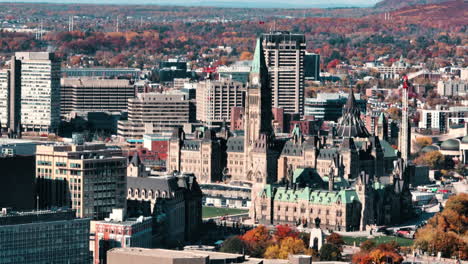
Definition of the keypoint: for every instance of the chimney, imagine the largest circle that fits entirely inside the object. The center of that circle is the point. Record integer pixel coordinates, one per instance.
(331, 182)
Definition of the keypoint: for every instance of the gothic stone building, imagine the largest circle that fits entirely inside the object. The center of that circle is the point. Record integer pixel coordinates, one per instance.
(350, 181)
(202, 156)
(174, 201)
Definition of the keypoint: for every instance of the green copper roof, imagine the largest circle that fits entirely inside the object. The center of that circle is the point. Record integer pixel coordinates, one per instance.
(296, 130)
(339, 183)
(388, 150)
(257, 58)
(348, 196)
(297, 173)
(324, 197)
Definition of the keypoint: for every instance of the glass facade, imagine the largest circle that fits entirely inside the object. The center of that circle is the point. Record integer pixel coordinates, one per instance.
(41, 241)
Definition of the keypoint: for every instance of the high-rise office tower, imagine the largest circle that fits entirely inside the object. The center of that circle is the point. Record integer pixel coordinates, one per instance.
(40, 91)
(284, 55)
(4, 89)
(312, 66)
(216, 98)
(10, 98)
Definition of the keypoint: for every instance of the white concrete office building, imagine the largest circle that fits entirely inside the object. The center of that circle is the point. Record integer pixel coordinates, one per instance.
(40, 91)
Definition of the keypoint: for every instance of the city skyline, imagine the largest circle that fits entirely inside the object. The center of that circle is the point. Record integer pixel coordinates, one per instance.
(223, 3)
(164, 134)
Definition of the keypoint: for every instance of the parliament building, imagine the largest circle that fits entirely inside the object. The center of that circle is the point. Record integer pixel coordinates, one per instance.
(349, 179)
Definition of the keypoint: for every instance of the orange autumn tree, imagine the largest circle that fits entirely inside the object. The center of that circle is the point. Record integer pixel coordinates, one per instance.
(286, 241)
(447, 231)
(257, 240)
(335, 239)
(245, 55)
(370, 253)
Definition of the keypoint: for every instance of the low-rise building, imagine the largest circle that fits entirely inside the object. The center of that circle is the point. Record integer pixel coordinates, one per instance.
(43, 237)
(329, 106)
(85, 95)
(117, 231)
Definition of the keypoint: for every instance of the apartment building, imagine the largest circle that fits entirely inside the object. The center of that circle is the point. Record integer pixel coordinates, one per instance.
(442, 119)
(284, 57)
(452, 87)
(151, 113)
(215, 99)
(88, 178)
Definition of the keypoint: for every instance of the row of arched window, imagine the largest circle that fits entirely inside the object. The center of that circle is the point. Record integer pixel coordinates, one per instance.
(149, 194)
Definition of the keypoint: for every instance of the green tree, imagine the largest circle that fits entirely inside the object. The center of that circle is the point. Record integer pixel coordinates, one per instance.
(329, 252)
(233, 244)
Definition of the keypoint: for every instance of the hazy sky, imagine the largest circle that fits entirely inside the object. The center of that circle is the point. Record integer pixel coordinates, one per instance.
(227, 3)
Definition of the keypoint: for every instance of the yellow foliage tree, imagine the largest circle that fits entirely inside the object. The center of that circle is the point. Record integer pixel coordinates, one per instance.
(394, 113)
(433, 159)
(287, 246)
(421, 142)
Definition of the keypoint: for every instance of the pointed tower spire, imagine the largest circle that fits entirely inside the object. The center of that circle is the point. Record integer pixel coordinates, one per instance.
(259, 69)
(351, 105)
(350, 124)
(256, 62)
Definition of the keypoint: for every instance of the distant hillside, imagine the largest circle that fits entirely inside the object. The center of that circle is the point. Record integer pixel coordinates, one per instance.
(449, 15)
(396, 4)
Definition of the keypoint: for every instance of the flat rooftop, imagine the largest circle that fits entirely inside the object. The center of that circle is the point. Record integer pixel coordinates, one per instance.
(159, 253)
